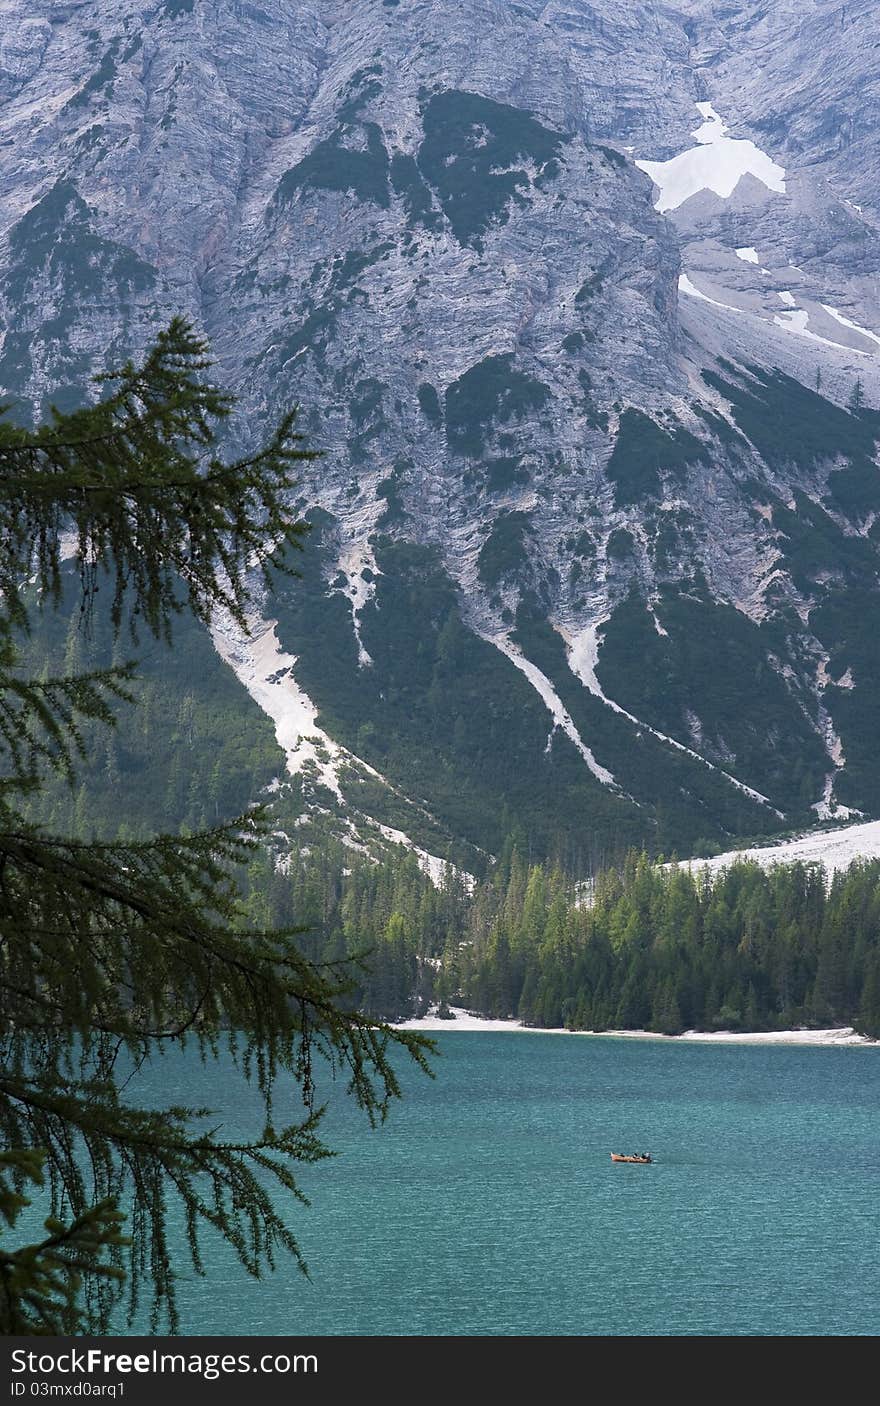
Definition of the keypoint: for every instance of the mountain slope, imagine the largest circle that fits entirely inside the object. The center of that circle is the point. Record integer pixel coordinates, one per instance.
(580, 302)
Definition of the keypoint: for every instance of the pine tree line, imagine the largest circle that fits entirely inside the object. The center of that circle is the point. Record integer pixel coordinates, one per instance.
(642, 946)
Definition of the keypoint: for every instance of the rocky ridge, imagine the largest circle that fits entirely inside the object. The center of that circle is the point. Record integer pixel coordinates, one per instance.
(577, 299)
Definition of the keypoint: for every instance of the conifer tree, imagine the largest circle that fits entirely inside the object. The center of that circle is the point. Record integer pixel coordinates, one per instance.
(111, 953)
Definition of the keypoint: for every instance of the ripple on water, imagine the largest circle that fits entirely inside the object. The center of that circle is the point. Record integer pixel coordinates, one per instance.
(489, 1205)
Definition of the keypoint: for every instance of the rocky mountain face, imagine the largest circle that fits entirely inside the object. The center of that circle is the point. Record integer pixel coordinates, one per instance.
(580, 302)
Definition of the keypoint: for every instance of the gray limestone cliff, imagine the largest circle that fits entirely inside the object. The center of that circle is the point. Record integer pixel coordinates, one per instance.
(580, 302)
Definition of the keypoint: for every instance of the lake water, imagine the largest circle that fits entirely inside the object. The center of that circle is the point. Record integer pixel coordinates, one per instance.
(488, 1203)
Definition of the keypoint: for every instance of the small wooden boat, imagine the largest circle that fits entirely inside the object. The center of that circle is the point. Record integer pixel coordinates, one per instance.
(643, 1159)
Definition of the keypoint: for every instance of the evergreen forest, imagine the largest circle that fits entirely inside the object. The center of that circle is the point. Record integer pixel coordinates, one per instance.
(638, 946)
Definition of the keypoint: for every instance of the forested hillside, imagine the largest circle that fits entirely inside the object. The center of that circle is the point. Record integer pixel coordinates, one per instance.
(642, 946)
(590, 939)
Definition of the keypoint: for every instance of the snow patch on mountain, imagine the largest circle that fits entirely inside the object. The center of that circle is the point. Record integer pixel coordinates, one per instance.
(835, 849)
(747, 254)
(717, 163)
(712, 128)
(562, 719)
(852, 326)
(354, 561)
(657, 626)
(258, 661)
(437, 869)
(583, 658)
(797, 321)
(827, 808)
(686, 286)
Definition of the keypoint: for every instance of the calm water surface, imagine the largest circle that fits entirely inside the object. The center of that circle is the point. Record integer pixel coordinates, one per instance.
(488, 1203)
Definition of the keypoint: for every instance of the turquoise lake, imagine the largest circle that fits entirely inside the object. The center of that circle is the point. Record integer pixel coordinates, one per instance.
(488, 1203)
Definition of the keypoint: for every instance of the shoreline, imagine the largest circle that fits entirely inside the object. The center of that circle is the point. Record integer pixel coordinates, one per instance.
(465, 1021)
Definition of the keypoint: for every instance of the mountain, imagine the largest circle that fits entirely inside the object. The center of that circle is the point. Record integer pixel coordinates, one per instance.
(580, 302)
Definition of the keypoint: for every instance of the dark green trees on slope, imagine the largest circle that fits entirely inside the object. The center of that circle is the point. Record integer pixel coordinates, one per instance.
(638, 947)
(111, 952)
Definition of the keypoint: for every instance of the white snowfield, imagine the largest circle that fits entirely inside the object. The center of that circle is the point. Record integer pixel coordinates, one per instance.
(463, 1020)
(717, 163)
(835, 849)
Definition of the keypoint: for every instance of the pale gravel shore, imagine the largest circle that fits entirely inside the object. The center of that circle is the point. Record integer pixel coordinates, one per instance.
(464, 1020)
